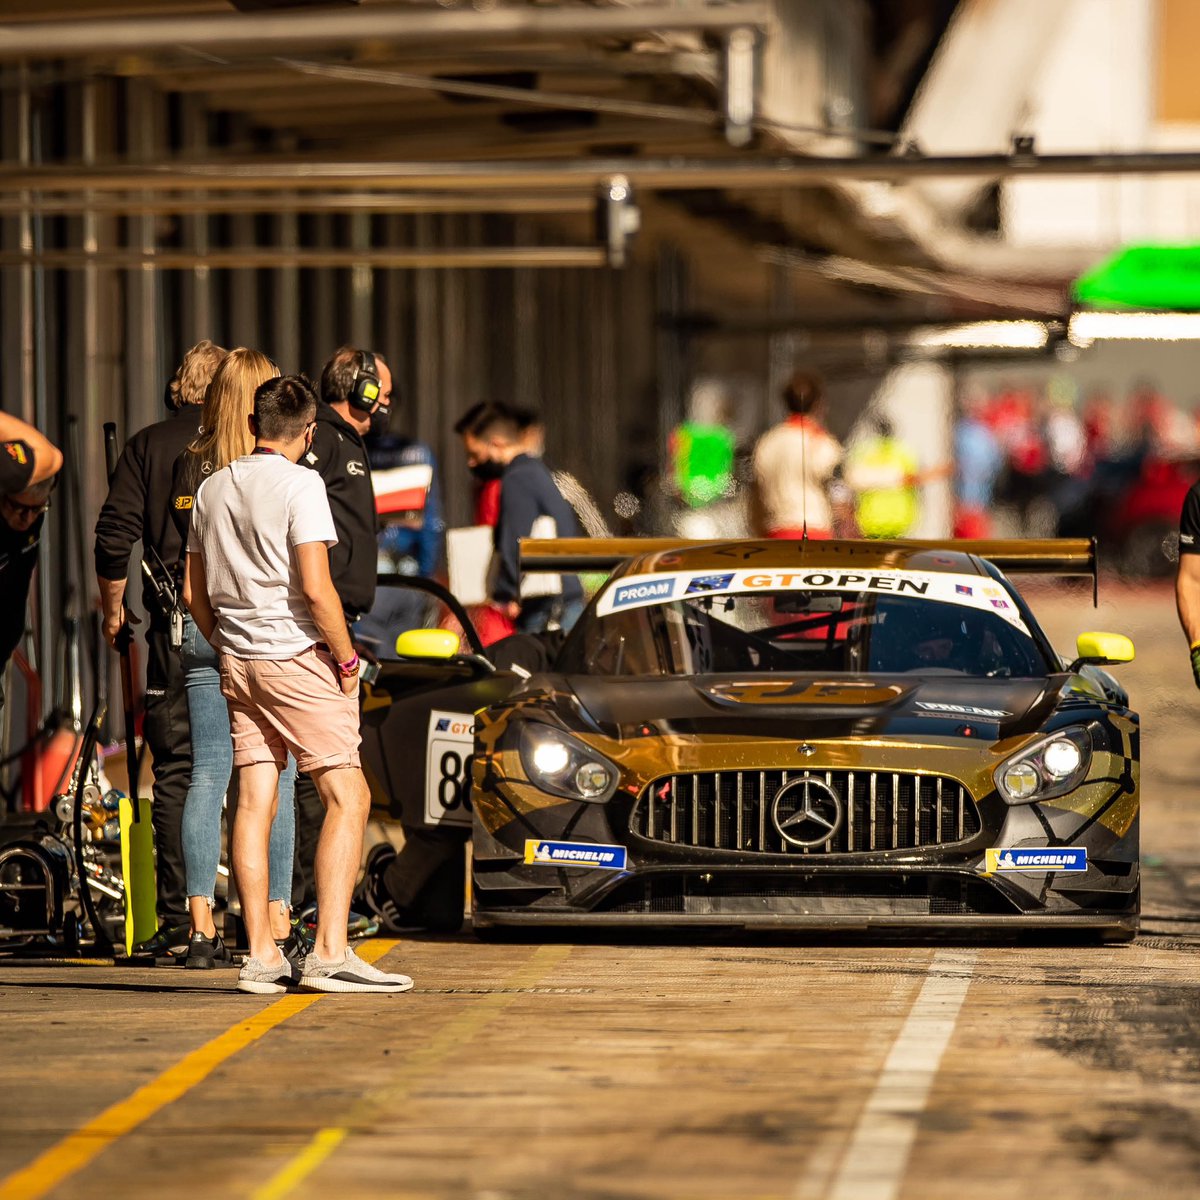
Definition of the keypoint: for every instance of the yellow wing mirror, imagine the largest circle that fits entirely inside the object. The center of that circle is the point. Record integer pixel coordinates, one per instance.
(427, 643)
(1102, 650)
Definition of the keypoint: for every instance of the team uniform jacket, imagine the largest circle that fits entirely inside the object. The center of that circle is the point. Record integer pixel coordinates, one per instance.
(340, 458)
(139, 501)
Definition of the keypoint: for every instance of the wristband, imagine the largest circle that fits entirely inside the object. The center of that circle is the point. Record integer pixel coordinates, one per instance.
(349, 667)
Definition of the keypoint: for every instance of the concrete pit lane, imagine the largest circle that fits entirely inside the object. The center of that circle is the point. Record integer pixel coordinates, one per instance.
(797, 1069)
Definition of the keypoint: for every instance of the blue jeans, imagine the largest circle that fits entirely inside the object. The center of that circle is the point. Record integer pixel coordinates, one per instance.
(212, 766)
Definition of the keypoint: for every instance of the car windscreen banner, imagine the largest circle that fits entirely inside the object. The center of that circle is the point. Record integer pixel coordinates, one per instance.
(967, 591)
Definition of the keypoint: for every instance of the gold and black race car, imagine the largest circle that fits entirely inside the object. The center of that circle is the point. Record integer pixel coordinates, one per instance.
(811, 734)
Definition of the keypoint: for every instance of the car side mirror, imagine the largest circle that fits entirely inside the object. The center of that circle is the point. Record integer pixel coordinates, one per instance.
(1101, 650)
(427, 643)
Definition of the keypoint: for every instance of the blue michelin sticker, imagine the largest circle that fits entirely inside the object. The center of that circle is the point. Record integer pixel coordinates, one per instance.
(631, 593)
(1061, 858)
(709, 583)
(575, 854)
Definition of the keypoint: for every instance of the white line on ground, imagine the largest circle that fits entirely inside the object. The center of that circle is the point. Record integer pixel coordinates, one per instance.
(876, 1157)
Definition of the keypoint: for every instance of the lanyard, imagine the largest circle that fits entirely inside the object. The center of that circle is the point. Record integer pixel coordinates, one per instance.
(265, 450)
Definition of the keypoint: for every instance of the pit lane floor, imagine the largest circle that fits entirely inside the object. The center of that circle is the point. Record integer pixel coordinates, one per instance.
(757, 1069)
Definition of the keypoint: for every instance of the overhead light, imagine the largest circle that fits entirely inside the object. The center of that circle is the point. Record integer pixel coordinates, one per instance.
(1088, 327)
(983, 335)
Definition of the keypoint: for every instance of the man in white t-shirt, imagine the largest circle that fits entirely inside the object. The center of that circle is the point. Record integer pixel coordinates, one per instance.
(794, 465)
(259, 589)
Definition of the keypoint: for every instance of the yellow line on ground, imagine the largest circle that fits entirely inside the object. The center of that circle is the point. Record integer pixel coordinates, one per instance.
(416, 1067)
(304, 1164)
(70, 1155)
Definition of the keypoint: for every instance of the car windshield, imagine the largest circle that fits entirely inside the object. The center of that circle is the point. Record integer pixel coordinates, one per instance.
(830, 632)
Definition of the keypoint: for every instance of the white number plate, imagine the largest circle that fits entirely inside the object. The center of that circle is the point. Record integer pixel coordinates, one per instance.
(449, 747)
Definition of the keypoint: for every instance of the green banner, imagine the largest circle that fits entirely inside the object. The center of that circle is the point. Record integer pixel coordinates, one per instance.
(1144, 277)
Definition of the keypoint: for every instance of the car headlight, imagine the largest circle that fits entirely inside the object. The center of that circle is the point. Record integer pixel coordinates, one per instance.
(564, 766)
(1052, 766)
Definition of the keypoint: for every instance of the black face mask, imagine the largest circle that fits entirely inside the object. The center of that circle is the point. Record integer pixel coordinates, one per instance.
(381, 419)
(488, 469)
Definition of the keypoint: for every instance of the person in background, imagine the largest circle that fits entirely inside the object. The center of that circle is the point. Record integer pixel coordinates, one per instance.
(978, 460)
(225, 436)
(259, 589)
(356, 392)
(486, 507)
(138, 507)
(794, 466)
(885, 476)
(587, 511)
(530, 503)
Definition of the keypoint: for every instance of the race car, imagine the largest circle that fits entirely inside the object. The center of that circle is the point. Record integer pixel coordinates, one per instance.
(807, 734)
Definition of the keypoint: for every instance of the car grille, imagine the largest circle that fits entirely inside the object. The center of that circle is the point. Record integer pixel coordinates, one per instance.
(732, 810)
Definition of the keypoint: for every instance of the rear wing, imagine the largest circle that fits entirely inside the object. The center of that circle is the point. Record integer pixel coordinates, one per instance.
(1014, 556)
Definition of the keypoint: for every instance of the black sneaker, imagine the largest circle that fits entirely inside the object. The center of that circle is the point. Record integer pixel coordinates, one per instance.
(373, 895)
(296, 946)
(205, 953)
(378, 858)
(169, 941)
(358, 925)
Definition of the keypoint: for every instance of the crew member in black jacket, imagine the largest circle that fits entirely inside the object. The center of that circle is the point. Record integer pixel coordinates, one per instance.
(356, 392)
(138, 508)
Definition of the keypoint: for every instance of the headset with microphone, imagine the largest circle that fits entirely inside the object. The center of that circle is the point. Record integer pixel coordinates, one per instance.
(366, 388)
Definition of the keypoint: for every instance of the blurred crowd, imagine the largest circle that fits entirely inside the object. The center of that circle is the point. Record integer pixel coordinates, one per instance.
(1020, 460)
(1044, 462)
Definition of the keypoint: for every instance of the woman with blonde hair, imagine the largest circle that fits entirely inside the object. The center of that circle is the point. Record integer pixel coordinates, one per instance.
(224, 436)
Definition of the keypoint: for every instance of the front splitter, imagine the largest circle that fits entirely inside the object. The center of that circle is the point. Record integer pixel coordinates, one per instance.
(1118, 927)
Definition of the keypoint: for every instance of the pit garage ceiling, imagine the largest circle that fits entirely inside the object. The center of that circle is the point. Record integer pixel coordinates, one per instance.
(570, 96)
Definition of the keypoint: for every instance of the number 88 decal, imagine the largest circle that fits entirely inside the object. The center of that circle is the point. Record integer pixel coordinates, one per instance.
(454, 785)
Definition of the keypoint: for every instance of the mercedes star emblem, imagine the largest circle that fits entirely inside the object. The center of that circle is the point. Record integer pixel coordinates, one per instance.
(807, 812)
(807, 750)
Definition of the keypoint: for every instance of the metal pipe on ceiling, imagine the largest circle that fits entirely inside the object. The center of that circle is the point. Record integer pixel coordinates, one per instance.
(102, 36)
(274, 203)
(662, 174)
(274, 257)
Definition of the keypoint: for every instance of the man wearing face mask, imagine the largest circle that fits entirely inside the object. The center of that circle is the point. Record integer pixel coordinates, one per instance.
(356, 391)
(530, 506)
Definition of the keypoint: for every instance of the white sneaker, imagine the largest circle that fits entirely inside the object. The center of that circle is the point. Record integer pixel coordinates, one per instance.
(351, 974)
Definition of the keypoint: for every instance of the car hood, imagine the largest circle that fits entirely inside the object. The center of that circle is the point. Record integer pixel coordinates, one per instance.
(800, 705)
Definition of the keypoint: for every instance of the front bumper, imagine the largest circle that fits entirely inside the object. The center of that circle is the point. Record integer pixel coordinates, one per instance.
(943, 887)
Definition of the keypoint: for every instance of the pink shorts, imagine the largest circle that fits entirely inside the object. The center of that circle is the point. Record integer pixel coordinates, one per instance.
(296, 704)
